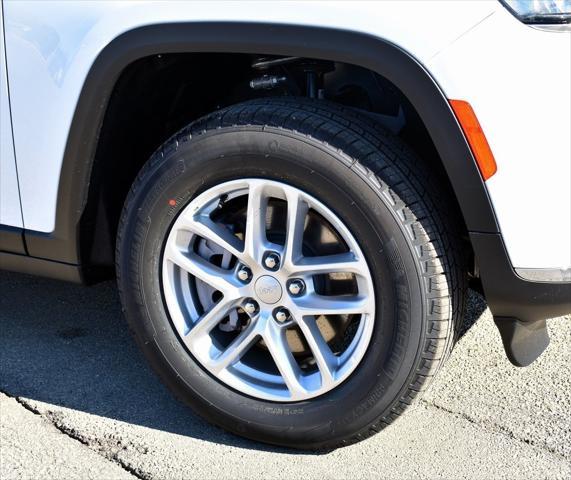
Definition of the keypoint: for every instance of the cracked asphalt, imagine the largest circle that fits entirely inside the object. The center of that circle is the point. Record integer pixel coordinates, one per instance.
(78, 401)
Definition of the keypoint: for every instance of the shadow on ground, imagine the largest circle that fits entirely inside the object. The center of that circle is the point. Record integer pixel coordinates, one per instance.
(69, 345)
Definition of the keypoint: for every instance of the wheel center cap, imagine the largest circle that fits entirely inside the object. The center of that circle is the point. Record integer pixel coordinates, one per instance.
(268, 289)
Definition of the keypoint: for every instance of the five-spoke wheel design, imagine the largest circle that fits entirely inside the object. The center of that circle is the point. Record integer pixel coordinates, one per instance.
(268, 290)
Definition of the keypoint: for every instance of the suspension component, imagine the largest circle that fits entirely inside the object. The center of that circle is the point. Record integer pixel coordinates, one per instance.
(267, 82)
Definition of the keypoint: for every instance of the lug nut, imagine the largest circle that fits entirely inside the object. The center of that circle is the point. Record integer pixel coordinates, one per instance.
(244, 274)
(250, 307)
(272, 261)
(281, 315)
(295, 287)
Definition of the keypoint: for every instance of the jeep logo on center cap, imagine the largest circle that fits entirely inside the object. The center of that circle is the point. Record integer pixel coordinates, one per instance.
(268, 289)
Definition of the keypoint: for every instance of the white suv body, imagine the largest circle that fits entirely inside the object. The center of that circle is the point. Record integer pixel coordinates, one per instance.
(61, 61)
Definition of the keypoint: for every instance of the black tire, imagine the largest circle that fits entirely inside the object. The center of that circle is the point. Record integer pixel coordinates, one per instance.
(387, 198)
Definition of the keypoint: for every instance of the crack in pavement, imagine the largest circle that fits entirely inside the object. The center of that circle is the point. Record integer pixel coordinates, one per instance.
(494, 427)
(109, 451)
(52, 419)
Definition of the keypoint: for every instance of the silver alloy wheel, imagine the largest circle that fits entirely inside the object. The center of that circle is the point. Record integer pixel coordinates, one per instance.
(185, 273)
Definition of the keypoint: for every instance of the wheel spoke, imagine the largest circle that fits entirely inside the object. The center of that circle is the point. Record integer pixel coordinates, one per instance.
(337, 263)
(204, 227)
(326, 361)
(275, 338)
(192, 263)
(297, 210)
(255, 236)
(239, 346)
(207, 322)
(314, 304)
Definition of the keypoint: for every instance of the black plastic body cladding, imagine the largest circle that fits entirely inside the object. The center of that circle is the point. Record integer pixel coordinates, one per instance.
(363, 50)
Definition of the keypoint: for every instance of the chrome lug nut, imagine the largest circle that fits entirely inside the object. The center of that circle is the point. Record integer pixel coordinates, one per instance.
(272, 261)
(295, 287)
(244, 274)
(281, 315)
(250, 307)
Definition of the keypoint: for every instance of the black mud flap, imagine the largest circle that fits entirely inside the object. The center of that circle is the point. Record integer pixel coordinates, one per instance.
(523, 342)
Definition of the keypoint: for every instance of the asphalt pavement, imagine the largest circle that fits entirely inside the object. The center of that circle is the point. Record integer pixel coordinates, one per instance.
(78, 401)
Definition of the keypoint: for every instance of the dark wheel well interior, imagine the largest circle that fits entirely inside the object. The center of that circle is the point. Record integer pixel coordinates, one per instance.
(157, 95)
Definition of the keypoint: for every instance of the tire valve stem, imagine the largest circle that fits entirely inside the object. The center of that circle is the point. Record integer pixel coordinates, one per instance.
(222, 201)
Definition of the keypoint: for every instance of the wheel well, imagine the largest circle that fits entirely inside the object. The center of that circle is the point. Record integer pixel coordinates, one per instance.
(157, 95)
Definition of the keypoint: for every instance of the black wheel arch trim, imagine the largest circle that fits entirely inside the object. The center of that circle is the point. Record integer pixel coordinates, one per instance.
(355, 48)
(509, 295)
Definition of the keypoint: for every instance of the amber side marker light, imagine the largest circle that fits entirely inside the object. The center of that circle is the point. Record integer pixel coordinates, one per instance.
(475, 136)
